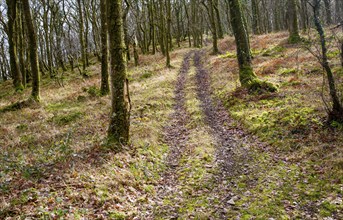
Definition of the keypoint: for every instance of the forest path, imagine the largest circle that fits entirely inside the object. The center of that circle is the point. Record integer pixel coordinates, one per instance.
(205, 151)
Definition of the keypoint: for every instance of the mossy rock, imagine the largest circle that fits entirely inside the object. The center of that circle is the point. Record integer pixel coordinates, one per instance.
(66, 118)
(20, 105)
(260, 86)
(93, 91)
(250, 81)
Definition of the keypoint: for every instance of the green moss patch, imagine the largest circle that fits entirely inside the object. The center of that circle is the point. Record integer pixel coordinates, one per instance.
(66, 118)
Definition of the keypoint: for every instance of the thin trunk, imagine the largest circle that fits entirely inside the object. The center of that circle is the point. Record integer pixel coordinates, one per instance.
(327, 4)
(167, 33)
(105, 88)
(218, 20)
(81, 36)
(337, 110)
(255, 17)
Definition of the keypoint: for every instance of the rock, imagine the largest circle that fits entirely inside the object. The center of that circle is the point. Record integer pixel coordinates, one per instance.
(231, 202)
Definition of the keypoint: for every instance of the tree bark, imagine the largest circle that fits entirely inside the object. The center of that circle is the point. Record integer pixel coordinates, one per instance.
(219, 22)
(327, 4)
(81, 36)
(118, 131)
(294, 36)
(12, 41)
(337, 110)
(255, 17)
(211, 12)
(167, 33)
(247, 76)
(105, 88)
(33, 51)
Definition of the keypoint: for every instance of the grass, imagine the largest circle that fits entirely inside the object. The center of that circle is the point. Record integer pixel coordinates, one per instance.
(53, 166)
(193, 197)
(300, 174)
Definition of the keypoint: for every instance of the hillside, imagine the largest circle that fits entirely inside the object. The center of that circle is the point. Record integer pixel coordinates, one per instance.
(201, 147)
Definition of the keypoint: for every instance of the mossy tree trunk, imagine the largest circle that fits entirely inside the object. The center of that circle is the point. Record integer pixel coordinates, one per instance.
(247, 76)
(242, 42)
(105, 88)
(211, 12)
(81, 35)
(293, 28)
(255, 10)
(12, 41)
(118, 131)
(33, 50)
(218, 19)
(167, 33)
(336, 113)
(162, 27)
(188, 23)
(21, 33)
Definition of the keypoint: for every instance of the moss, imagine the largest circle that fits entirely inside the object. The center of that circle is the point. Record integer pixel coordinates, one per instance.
(18, 105)
(66, 118)
(22, 127)
(294, 39)
(250, 81)
(273, 51)
(19, 88)
(92, 91)
(69, 105)
(286, 71)
(81, 98)
(333, 54)
(228, 55)
(260, 86)
(146, 75)
(115, 215)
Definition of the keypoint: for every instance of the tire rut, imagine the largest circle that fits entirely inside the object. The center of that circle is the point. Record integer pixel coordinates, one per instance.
(176, 137)
(232, 151)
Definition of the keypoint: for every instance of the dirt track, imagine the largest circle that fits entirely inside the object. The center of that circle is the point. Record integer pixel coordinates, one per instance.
(229, 142)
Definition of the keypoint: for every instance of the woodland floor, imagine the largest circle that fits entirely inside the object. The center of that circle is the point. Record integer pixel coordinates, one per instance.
(201, 147)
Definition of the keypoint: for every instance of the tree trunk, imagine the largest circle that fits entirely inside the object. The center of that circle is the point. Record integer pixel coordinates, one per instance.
(255, 17)
(12, 41)
(167, 33)
(337, 110)
(210, 9)
(118, 131)
(105, 88)
(33, 51)
(81, 36)
(247, 76)
(135, 54)
(327, 5)
(219, 22)
(338, 10)
(294, 36)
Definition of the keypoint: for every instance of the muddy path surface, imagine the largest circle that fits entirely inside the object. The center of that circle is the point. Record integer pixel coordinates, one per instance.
(176, 137)
(211, 194)
(231, 143)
